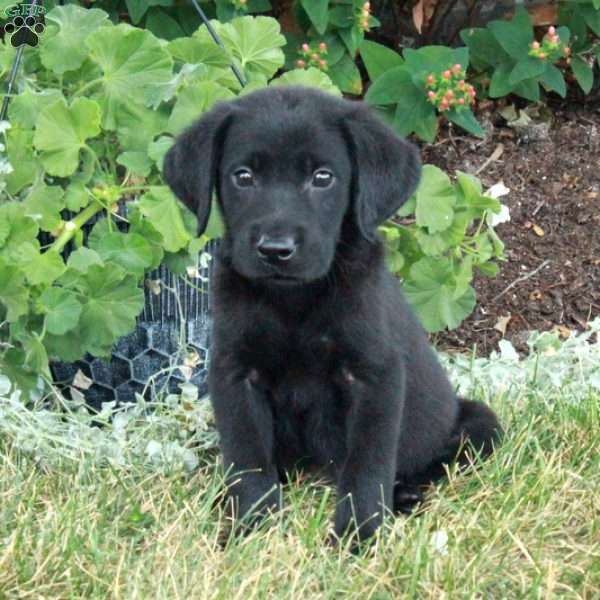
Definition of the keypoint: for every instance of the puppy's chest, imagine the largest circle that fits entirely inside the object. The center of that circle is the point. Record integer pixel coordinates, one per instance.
(279, 353)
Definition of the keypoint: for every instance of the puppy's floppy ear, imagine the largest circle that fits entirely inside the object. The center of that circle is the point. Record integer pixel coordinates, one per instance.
(386, 167)
(191, 164)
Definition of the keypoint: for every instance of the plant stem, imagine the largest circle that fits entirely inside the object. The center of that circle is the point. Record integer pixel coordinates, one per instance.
(76, 224)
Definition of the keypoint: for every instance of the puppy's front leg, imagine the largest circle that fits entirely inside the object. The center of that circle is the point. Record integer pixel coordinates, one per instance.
(245, 423)
(366, 479)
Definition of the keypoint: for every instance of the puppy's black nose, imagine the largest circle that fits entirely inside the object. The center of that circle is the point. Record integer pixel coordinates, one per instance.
(276, 248)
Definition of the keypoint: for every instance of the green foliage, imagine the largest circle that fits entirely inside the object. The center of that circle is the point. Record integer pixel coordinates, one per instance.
(403, 90)
(583, 20)
(93, 140)
(443, 235)
(340, 27)
(516, 62)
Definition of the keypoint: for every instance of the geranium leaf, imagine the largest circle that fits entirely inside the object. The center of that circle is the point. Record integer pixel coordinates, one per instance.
(311, 77)
(62, 46)
(134, 63)
(435, 200)
(61, 132)
(162, 210)
(193, 101)
(62, 309)
(431, 291)
(255, 42)
(43, 204)
(129, 250)
(13, 293)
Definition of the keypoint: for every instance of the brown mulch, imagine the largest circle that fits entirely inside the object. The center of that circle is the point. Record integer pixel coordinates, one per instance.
(555, 220)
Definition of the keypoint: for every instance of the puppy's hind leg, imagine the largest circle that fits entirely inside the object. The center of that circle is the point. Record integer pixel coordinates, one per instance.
(477, 428)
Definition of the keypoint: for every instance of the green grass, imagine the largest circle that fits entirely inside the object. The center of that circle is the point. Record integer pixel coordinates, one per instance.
(526, 524)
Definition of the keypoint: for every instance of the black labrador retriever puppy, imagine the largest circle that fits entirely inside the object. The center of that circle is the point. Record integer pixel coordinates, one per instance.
(317, 359)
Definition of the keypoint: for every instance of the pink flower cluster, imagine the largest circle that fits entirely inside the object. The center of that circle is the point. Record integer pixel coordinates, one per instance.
(449, 89)
(551, 48)
(312, 57)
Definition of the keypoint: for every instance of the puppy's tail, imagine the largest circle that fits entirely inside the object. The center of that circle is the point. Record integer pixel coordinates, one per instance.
(477, 428)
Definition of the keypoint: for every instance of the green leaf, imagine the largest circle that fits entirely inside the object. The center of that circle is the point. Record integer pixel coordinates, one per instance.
(466, 119)
(414, 113)
(346, 76)
(526, 68)
(310, 77)
(62, 46)
(162, 210)
(378, 59)
(500, 83)
(61, 132)
(134, 64)
(390, 87)
(129, 250)
(162, 24)
(553, 79)
(193, 101)
(514, 36)
(26, 167)
(113, 301)
(43, 204)
(13, 293)
(583, 73)
(485, 51)
(25, 108)
(76, 196)
(255, 42)
(592, 18)
(137, 126)
(435, 200)
(431, 290)
(82, 259)
(21, 229)
(41, 269)
(353, 38)
(318, 13)
(36, 358)
(433, 59)
(158, 148)
(136, 162)
(62, 310)
(528, 89)
(193, 50)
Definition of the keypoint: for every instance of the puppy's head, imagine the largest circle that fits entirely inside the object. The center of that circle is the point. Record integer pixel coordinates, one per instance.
(289, 165)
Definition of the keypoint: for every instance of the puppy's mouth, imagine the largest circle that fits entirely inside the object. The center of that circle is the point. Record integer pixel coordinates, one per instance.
(284, 280)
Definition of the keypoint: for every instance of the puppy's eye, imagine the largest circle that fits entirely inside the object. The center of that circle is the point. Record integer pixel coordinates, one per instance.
(322, 178)
(243, 178)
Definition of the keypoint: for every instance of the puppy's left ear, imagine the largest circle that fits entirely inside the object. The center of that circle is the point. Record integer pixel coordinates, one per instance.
(386, 167)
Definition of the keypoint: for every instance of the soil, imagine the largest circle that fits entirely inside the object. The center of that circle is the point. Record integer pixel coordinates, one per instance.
(551, 277)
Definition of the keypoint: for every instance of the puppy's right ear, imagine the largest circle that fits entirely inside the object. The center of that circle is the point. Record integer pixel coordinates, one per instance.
(191, 164)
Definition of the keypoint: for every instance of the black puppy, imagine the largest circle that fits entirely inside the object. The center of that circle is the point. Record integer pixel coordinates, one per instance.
(317, 359)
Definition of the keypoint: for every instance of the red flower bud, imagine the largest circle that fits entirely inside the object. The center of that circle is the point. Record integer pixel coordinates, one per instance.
(551, 30)
(323, 47)
(314, 56)
(535, 45)
(430, 79)
(446, 74)
(456, 69)
(431, 94)
(449, 94)
(305, 47)
(323, 64)
(300, 64)
(461, 101)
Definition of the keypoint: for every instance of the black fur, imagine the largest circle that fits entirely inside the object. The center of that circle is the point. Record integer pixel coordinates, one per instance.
(317, 360)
